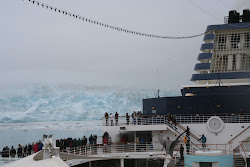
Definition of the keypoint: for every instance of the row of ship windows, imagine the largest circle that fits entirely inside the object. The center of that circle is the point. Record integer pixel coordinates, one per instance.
(237, 40)
(230, 63)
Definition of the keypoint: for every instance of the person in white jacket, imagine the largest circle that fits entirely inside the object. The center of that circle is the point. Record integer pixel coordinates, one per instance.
(111, 119)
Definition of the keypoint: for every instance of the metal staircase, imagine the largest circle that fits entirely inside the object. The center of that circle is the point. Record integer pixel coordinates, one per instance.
(239, 161)
(178, 129)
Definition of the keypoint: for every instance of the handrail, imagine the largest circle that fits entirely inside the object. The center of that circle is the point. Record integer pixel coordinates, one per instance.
(181, 119)
(191, 134)
(93, 149)
(181, 127)
(225, 148)
(193, 114)
(129, 147)
(244, 157)
(238, 134)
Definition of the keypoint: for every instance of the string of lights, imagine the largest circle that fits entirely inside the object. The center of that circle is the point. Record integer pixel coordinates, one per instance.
(87, 20)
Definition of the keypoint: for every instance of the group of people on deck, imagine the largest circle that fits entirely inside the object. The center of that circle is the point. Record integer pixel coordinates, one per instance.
(22, 151)
(70, 143)
(136, 118)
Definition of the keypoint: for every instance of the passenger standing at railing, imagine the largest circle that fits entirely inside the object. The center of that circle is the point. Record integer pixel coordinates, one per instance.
(106, 117)
(127, 118)
(187, 132)
(91, 139)
(105, 140)
(111, 119)
(181, 152)
(20, 151)
(116, 118)
(84, 141)
(139, 117)
(174, 122)
(12, 152)
(30, 148)
(150, 142)
(134, 117)
(203, 141)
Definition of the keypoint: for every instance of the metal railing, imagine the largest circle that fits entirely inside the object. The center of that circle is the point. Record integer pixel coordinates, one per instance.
(243, 153)
(144, 120)
(99, 149)
(180, 119)
(225, 149)
(227, 118)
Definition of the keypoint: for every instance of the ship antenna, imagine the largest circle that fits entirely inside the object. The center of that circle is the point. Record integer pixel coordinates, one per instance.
(158, 83)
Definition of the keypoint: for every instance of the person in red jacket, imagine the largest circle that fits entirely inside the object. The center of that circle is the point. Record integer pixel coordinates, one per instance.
(36, 148)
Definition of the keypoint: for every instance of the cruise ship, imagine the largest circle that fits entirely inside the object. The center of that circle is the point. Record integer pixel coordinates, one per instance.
(207, 126)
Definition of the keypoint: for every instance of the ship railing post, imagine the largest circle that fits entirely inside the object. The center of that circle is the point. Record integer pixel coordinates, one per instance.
(90, 149)
(85, 150)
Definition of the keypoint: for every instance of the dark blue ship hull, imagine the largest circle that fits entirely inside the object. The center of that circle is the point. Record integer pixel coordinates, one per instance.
(205, 100)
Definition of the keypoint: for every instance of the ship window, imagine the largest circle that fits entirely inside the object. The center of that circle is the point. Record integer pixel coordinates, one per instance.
(205, 164)
(222, 39)
(247, 40)
(235, 41)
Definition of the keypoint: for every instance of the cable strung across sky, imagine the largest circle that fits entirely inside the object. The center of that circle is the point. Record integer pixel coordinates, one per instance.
(76, 16)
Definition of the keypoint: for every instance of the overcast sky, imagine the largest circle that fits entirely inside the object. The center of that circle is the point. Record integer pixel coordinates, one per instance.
(40, 46)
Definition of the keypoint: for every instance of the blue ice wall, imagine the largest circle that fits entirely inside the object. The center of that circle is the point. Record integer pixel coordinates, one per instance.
(43, 103)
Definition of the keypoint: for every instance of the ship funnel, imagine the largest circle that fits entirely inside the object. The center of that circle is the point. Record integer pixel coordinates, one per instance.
(235, 17)
(246, 15)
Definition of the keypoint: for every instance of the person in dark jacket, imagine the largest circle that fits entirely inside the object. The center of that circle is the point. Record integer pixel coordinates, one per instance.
(203, 141)
(25, 150)
(40, 146)
(106, 115)
(13, 152)
(127, 118)
(91, 139)
(116, 118)
(84, 141)
(5, 152)
(20, 151)
(181, 152)
(29, 148)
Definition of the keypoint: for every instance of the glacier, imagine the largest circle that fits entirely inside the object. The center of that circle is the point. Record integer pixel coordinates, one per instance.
(46, 103)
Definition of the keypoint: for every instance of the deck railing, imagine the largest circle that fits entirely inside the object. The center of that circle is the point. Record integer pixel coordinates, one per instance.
(144, 120)
(224, 149)
(180, 119)
(98, 149)
(227, 118)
